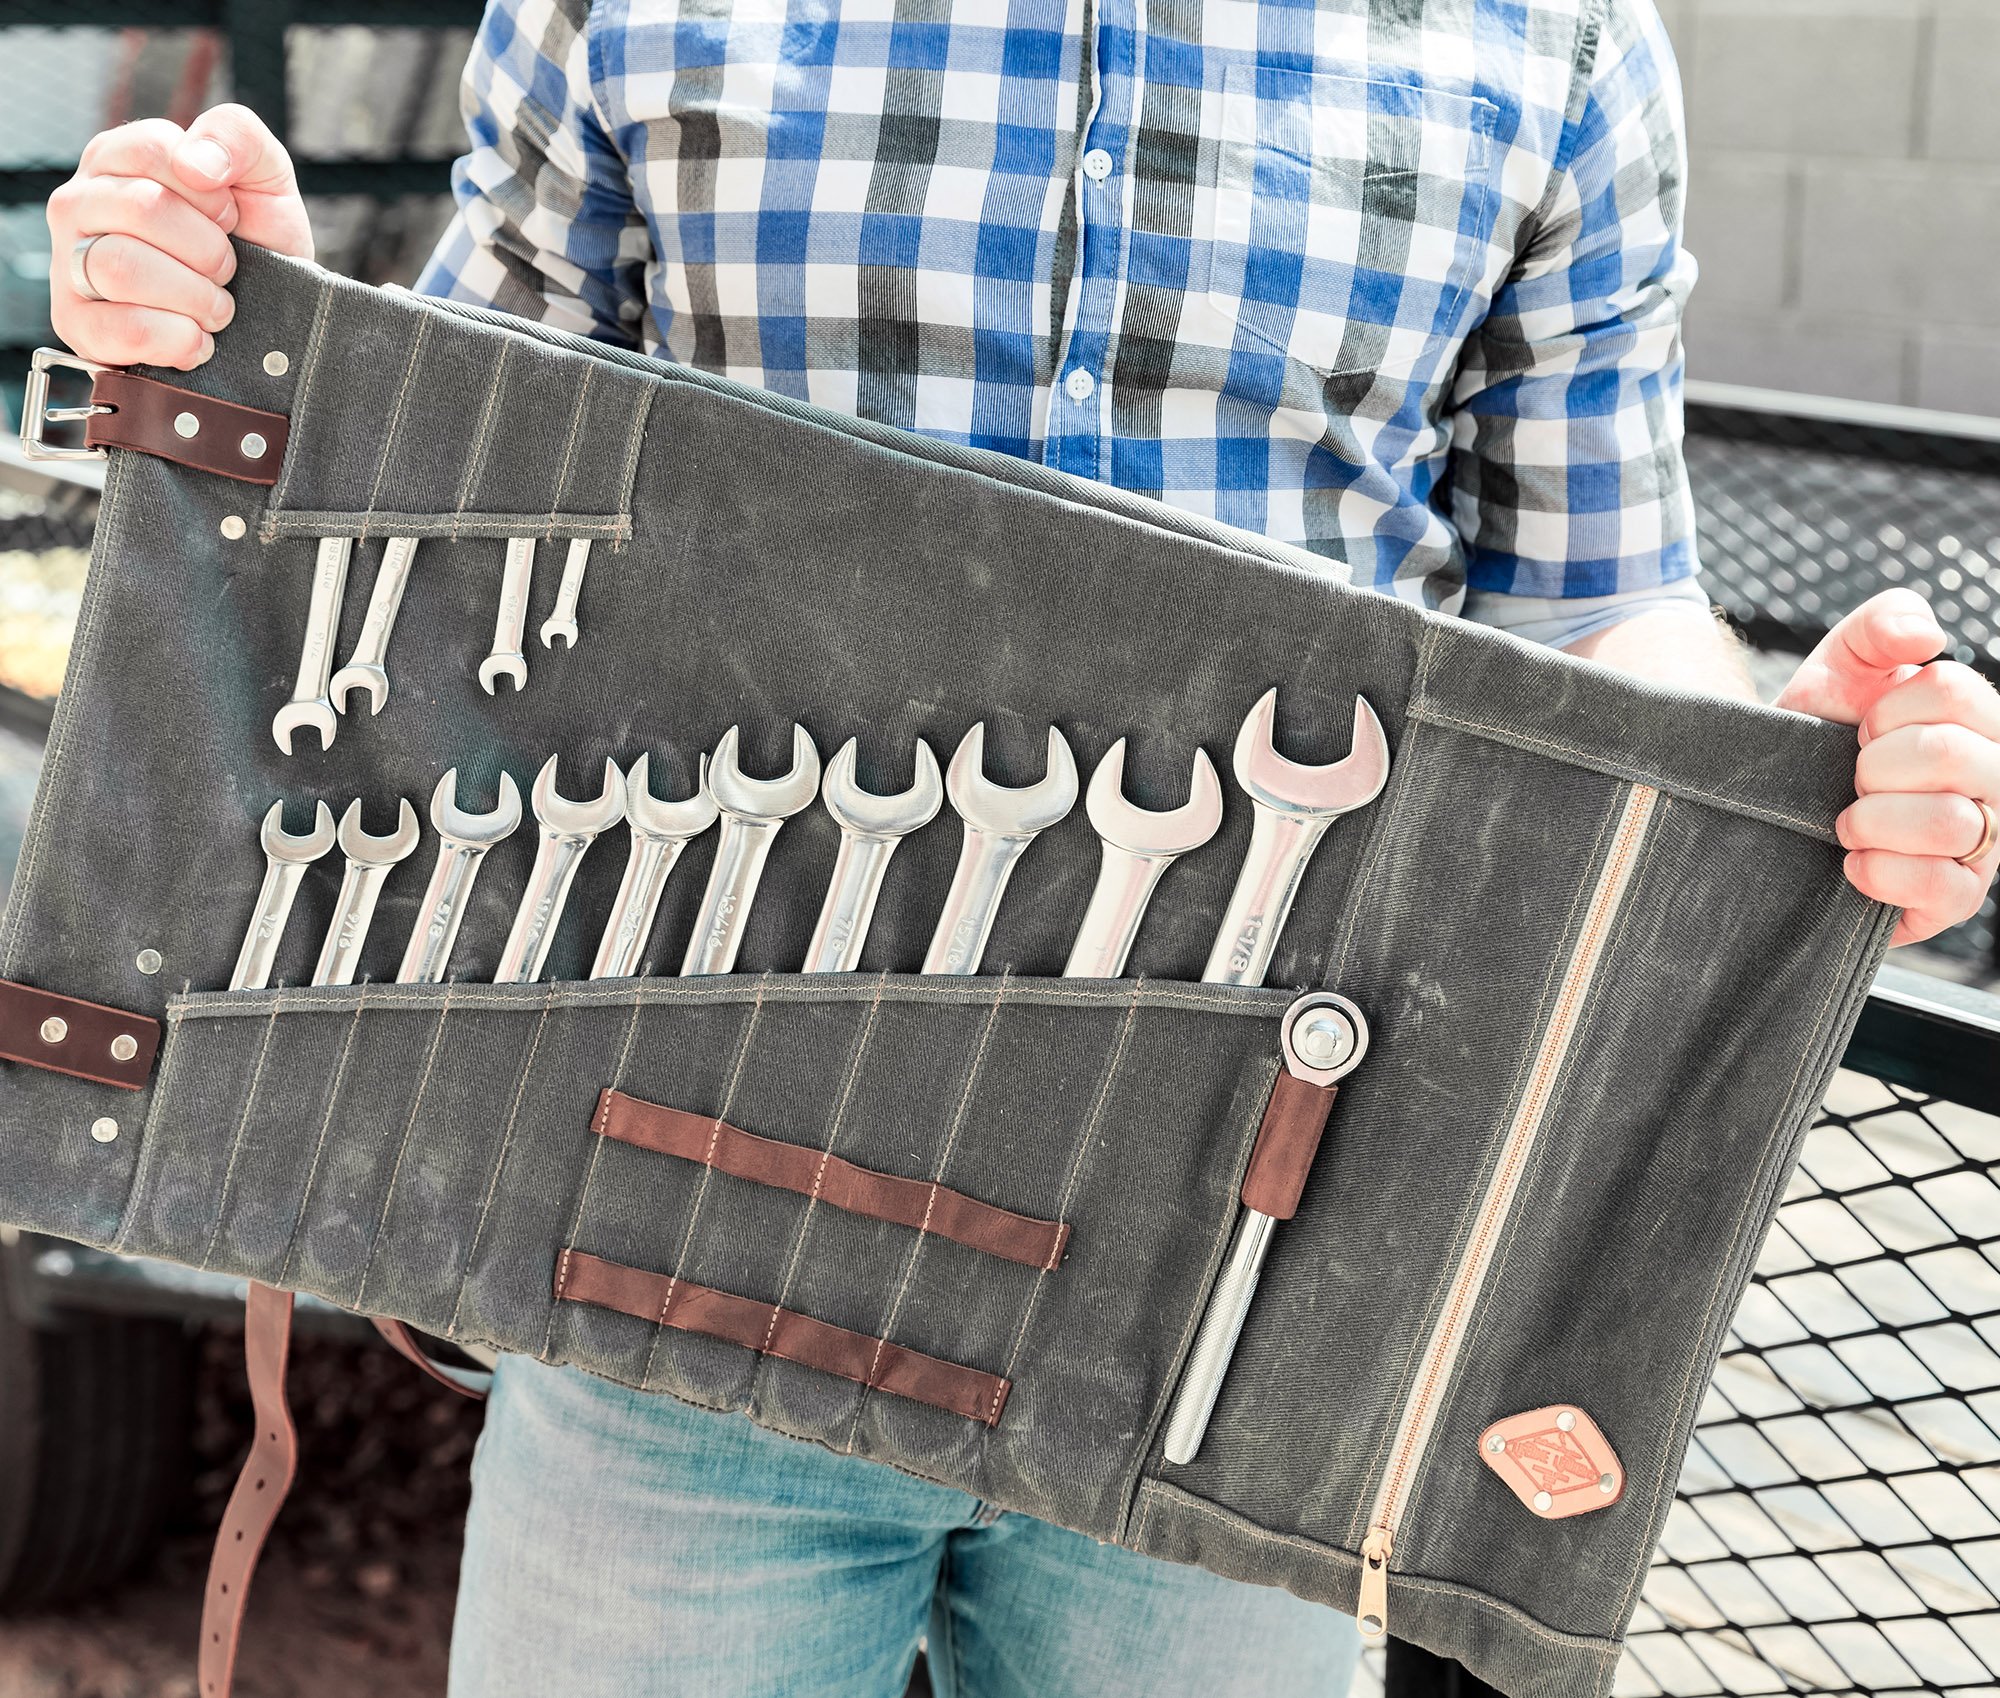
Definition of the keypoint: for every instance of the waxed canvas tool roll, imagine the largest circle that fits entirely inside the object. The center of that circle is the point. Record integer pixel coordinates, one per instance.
(1558, 849)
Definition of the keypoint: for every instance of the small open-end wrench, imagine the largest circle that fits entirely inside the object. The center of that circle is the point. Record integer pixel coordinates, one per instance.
(1294, 806)
(870, 828)
(310, 704)
(660, 831)
(286, 858)
(752, 810)
(368, 667)
(562, 622)
(1000, 823)
(368, 862)
(463, 839)
(1139, 845)
(510, 624)
(567, 829)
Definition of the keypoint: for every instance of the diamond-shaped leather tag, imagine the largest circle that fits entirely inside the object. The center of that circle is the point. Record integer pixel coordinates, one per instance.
(1554, 1460)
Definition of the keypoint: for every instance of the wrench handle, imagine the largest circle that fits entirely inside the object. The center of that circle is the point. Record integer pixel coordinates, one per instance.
(438, 918)
(534, 927)
(510, 624)
(630, 921)
(986, 861)
(1125, 881)
(740, 851)
(1215, 1343)
(340, 955)
(371, 648)
(571, 586)
(849, 908)
(322, 618)
(1280, 847)
(267, 924)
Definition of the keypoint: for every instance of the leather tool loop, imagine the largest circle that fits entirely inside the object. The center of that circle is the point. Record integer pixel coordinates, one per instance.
(245, 443)
(1288, 1139)
(88, 1040)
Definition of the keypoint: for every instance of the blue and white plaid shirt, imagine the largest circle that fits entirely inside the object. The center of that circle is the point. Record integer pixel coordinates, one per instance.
(1399, 281)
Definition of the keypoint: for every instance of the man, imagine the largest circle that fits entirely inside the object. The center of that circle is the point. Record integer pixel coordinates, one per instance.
(1398, 282)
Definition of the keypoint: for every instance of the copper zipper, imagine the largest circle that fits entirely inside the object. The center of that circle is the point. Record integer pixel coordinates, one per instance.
(1440, 1355)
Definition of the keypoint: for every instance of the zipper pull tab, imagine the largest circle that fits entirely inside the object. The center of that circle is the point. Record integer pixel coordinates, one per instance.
(1372, 1612)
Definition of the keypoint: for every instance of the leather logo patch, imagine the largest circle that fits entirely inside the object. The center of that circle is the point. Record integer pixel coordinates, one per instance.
(1554, 1460)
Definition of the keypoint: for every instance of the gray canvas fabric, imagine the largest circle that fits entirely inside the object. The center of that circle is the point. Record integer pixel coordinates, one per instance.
(426, 1152)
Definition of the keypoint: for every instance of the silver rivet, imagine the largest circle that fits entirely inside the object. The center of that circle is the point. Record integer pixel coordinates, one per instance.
(254, 446)
(1496, 1444)
(124, 1047)
(54, 1029)
(1544, 1502)
(104, 1129)
(276, 364)
(1566, 1420)
(233, 527)
(147, 961)
(186, 424)
(1607, 1484)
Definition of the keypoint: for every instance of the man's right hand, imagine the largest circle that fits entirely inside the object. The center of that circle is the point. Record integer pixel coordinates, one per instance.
(165, 201)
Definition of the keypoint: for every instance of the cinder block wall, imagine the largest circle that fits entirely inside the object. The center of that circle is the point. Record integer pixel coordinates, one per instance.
(1844, 199)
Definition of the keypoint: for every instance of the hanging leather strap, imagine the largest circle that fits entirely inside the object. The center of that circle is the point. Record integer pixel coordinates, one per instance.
(223, 437)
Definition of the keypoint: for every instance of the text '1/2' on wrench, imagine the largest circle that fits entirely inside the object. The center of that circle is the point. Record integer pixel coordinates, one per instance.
(286, 858)
(752, 811)
(463, 839)
(567, 829)
(1293, 805)
(369, 860)
(871, 825)
(659, 831)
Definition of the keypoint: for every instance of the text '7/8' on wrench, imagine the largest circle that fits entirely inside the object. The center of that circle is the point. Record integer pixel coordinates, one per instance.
(1294, 806)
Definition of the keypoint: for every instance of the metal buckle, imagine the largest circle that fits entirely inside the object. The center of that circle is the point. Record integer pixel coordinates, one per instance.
(36, 411)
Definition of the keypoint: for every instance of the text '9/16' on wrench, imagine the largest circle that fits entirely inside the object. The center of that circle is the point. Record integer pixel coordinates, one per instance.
(310, 704)
(369, 860)
(463, 839)
(659, 832)
(1000, 823)
(752, 811)
(1294, 806)
(567, 829)
(871, 825)
(286, 858)
(368, 667)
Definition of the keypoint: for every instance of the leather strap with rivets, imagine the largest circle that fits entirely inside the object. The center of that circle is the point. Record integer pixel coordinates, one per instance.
(108, 1046)
(232, 441)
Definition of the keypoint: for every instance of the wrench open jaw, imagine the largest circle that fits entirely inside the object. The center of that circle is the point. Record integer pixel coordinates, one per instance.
(660, 831)
(752, 811)
(286, 857)
(302, 848)
(1351, 782)
(871, 825)
(463, 839)
(369, 859)
(567, 830)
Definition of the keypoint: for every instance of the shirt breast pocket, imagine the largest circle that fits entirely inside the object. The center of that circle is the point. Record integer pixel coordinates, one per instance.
(1342, 216)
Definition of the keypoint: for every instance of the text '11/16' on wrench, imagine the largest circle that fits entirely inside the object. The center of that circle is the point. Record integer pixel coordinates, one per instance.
(286, 858)
(567, 829)
(659, 832)
(871, 826)
(369, 860)
(752, 810)
(463, 840)
(1293, 805)
(310, 704)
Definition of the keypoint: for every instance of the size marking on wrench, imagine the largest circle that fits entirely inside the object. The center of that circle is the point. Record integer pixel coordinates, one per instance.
(871, 826)
(369, 860)
(1139, 845)
(510, 624)
(367, 668)
(660, 831)
(286, 858)
(752, 811)
(1000, 823)
(567, 830)
(463, 839)
(310, 705)
(562, 622)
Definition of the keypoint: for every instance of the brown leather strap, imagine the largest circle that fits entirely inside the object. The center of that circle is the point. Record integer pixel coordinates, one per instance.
(245, 443)
(1294, 1118)
(404, 1341)
(773, 1331)
(68, 1035)
(919, 1203)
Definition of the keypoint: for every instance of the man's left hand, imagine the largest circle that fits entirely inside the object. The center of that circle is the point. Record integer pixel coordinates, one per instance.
(1930, 756)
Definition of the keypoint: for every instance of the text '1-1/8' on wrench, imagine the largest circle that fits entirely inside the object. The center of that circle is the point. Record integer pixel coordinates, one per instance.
(752, 810)
(871, 825)
(463, 839)
(659, 832)
(1293, 805)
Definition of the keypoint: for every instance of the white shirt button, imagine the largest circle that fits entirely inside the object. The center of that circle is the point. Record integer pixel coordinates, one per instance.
(1079, 383)
(1097, 165)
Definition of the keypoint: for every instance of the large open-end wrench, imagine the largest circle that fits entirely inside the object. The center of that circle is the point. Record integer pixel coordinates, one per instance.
(660, 831)
(1000, 823)
(310, 703)
(510, 624)
(752, 810)
(870, 828)
(286, 858)
(463, 839)
(1139, 845)
(368, 667)
(1294, 806)
(562, 622)
(368, 862)
(567, 829)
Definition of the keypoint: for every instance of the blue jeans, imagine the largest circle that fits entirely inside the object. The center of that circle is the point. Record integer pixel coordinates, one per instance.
(626, 1546)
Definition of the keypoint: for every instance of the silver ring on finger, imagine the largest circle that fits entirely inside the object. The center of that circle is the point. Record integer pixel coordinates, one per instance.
(1987, 838)
(79, 268)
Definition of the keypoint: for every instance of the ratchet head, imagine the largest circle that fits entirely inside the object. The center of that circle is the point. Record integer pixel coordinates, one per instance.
(578, 819)
(764, 798)
(366, 851)
(670, 822)
(1003, 810)
(1313, 792)
(1144, 831)
(474, 831)
(867, 814)
(281, 845)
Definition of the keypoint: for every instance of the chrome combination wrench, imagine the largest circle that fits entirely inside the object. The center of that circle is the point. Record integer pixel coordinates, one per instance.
(660, 831)
(562, 622)
(369, 861)
(752, 810)
(286, 858)
(510, 624)
(367, 668)
(463, 839)
(310, 704)
(871, 825)
(567, 830)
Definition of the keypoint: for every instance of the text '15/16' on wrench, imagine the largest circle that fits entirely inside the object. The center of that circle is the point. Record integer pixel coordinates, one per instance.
(286, 858)
(659, 831)
(871, 825)
(562, 621)
(1139, 845)
(310, 704)
(463, 839)
(1000, 822)
(567, 829)
(752, 811)
(1293, 805)
(369, 860)
(368, 667)
(510, 624)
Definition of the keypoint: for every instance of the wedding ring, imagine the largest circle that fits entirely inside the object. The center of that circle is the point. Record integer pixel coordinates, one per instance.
(79, 272)
(1987, 838)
